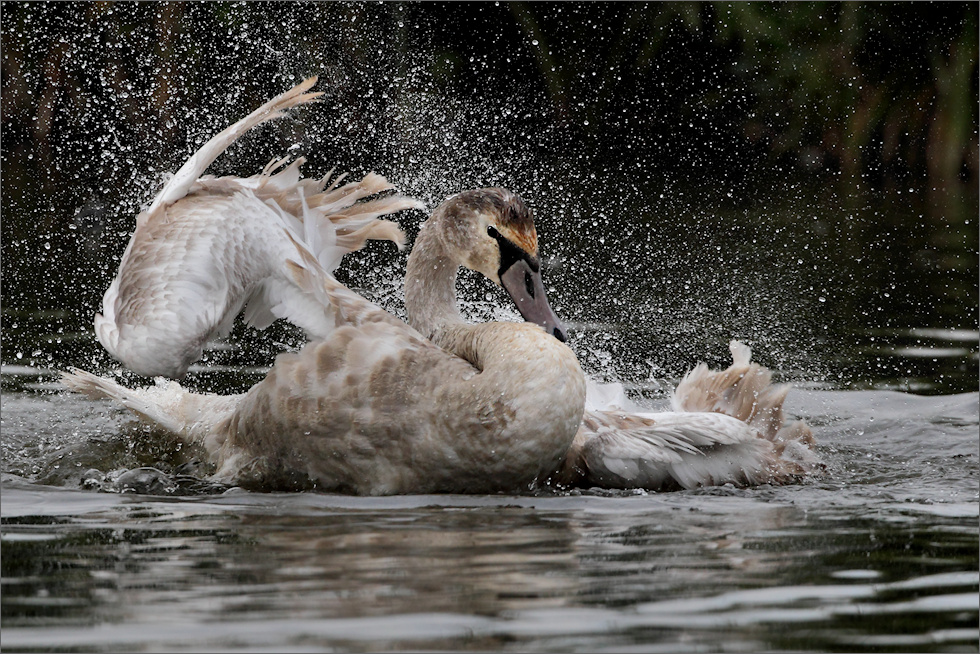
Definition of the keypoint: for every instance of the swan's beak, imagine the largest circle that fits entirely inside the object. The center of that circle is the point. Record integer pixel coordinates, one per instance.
(526, 289)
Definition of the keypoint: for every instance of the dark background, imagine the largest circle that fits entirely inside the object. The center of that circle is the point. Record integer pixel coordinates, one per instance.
(802, 176)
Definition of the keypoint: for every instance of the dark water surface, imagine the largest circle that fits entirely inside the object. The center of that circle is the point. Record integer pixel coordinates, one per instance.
(879, 553)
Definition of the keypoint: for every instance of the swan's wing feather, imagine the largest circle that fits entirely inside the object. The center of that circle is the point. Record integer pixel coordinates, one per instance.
(669, 450)
(214, 245)
(337, 304)
(184, 278)
(185, 177)
(727, 427)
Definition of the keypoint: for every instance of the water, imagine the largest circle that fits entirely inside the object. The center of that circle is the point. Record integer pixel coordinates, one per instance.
(878, 553)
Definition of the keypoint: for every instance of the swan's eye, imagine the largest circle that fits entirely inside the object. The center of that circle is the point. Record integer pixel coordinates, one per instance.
(492, 232)
(529, 284)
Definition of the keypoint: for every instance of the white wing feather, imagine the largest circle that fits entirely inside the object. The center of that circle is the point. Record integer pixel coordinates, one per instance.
(207, 247)
(727, 427)
(665, 450)
(193, 168)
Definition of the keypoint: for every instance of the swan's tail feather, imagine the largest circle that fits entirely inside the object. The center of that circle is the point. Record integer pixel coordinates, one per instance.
(150, 409)
(744, 391)
(166, 405)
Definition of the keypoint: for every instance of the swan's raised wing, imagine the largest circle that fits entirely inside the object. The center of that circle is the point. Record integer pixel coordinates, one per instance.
(208, 247)
(180, 184)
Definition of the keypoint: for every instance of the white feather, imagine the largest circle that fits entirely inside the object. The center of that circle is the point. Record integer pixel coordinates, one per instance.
(727, 428)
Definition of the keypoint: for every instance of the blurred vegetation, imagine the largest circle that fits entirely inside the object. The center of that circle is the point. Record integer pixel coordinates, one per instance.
(610, 116)
(885, 91)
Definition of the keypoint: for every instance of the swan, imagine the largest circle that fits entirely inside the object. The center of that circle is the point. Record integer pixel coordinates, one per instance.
(374, 405)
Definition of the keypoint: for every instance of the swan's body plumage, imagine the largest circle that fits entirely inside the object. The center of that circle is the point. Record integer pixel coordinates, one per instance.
(372, 405)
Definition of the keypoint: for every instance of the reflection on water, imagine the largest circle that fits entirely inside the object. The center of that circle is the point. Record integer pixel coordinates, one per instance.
(508, 572)
(879, 553)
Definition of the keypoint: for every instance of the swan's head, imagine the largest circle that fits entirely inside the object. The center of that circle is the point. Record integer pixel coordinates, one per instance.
(491, 231)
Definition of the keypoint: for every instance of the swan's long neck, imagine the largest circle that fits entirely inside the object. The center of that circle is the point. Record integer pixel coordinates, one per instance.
(430, 285)
(527, 388)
